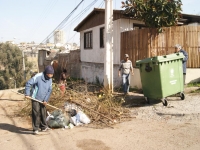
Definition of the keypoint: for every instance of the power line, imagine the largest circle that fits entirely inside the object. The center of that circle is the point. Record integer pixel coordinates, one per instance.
(62, 23)
(43, 16)
(82, 37)
(67, 35)
(83, 12)
(79, 16)
(100, 6)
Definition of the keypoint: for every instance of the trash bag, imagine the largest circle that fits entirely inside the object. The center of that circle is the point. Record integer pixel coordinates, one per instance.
(72, 112)
(83, 117)
(70, 106)
(79, 119)
(49, 116)
(75, 121)
(57, 120)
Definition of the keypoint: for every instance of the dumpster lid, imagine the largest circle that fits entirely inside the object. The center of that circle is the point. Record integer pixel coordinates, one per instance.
(163, 58)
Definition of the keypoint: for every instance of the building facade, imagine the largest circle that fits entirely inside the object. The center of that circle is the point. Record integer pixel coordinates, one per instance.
(59, 37)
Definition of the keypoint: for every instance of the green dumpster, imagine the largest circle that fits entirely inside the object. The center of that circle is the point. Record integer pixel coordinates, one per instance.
(162, 76)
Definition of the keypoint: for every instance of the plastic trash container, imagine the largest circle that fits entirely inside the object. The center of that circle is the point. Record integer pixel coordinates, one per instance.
(162, 76)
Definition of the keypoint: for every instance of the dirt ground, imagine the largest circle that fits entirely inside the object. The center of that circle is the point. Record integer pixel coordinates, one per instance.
(155, 127)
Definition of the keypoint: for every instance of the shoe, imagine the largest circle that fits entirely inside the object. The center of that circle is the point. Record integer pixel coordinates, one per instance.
(46, 129)
(35, 132)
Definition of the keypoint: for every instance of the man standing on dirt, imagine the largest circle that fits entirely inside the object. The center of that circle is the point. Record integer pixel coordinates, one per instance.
(179, 49)
(126, 66)
(39, 87)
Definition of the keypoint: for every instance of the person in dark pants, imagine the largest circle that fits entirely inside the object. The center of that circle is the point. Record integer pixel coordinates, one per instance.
(178, 49)
(39, 87)
(125, 66)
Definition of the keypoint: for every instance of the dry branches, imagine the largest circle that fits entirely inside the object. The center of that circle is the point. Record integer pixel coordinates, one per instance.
(102, 108)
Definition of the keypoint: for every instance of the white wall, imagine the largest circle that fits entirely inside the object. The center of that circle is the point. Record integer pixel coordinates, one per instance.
(193, 24)
(92, 70)
(135, 80)
(96, 54)
(192, 75)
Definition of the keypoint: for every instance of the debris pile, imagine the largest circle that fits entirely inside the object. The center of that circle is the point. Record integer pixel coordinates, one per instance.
(103, 109)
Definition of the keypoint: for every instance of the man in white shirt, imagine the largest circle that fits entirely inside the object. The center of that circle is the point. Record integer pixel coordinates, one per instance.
(124, 70)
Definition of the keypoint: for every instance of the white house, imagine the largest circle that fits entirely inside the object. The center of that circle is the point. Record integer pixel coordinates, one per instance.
(92, 44)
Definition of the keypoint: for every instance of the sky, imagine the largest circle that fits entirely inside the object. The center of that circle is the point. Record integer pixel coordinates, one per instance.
(35, 20)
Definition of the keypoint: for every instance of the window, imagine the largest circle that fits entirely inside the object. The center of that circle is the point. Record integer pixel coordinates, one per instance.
(138, 26)
(88, 40)
(102, 34)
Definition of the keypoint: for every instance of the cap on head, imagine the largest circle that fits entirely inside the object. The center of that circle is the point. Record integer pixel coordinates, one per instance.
(126, 55)
(49, 70)
(177, 46)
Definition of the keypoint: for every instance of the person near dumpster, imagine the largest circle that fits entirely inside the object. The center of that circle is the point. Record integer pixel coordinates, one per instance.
(178, 49)
(39, 87)
(124, 70)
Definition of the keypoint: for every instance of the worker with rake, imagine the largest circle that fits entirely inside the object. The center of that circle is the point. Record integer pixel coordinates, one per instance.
(39, 87)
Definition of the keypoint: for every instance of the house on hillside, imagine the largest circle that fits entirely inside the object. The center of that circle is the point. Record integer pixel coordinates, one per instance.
(92, 43)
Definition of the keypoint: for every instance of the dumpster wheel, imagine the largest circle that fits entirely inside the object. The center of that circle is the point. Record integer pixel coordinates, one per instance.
(182, 96)
(164, 101)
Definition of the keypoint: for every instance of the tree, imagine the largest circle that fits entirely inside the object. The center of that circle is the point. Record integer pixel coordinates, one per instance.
(11, 66)
(154, 13)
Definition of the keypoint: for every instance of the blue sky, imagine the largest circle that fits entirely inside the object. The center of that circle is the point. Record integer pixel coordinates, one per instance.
(34, 20)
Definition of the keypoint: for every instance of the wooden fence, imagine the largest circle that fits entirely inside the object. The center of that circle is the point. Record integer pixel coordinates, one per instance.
(144, 43)
(71, 62)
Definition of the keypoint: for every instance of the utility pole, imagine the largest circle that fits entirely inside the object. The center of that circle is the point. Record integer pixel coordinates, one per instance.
(15, 84)
(24, 65)
(13, 79)
(108, 55)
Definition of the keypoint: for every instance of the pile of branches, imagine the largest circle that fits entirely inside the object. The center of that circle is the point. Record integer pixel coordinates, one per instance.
(103, 109)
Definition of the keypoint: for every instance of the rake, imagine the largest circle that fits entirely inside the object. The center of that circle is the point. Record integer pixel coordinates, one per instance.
(38, 101)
